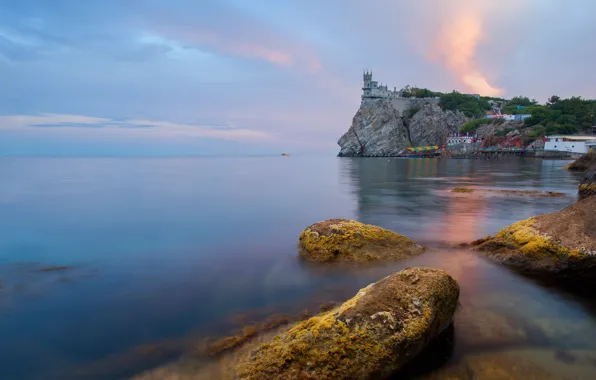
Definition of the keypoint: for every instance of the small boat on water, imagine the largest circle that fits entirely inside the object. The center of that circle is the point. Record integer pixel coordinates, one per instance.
(285, 154)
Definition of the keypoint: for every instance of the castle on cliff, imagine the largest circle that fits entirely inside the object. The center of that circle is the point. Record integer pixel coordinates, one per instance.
(372, 91)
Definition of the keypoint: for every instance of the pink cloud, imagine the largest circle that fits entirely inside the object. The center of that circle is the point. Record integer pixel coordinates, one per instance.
(253, 50)
(256, 44)
(132, 127)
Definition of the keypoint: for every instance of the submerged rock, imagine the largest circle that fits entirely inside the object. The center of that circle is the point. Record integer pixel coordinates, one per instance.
(349, 240)
(370, 336)
(506, 365)
(561, 243)
(528, 193)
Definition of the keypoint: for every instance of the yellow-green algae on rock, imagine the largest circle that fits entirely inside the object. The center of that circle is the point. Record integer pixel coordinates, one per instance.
(556, 243)
(587, 186)
(583, 163)
(370, 336)
(349, 240)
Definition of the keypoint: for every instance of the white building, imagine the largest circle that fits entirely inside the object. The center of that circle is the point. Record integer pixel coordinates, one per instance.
(509, 117)
(501, 116)
(460, 138)
(571, 144)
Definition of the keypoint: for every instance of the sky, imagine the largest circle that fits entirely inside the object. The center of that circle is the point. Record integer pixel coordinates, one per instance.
(155, 77)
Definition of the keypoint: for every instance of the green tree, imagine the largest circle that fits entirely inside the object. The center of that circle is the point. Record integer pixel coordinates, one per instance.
(552, 100)
(468, 104)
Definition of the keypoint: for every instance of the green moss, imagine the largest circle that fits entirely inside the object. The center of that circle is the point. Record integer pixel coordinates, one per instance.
(373, 333)
(529, 241)
(349, 240)
(587, 188)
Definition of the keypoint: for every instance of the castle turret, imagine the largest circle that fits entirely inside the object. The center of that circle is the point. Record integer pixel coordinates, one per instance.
(367, 85)
(367, 78)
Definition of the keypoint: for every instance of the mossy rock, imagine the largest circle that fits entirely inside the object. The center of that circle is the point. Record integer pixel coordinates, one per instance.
(371, 336)
(587, 186)
(561, 243)
(349, 240)
(583, 163)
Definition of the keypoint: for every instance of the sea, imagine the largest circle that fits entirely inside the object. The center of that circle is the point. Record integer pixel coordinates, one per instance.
(109, 265)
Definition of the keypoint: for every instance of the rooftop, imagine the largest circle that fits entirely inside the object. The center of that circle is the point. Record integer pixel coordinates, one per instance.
(573, 138)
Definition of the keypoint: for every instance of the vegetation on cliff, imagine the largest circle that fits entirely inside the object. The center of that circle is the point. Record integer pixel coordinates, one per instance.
(558, 116)
(370, 336)
(468, 104)
(349, 240)
(473, 125)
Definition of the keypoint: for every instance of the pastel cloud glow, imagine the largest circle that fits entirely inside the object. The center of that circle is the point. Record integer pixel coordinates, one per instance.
(274, 76)
(456, 47)
(155, 128)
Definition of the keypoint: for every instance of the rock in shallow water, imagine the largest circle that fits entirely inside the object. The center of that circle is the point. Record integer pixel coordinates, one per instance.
(584, 162)
(370, 336)
(561, 244)
(587, 186)
(348, 240)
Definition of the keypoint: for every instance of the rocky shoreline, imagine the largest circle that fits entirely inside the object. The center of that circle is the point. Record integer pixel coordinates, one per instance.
(559, 245)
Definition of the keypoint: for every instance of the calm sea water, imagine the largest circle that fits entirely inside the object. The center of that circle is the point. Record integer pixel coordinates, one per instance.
(160, 249)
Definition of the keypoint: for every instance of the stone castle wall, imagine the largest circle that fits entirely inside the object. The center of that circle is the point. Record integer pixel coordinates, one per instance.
(372, 92)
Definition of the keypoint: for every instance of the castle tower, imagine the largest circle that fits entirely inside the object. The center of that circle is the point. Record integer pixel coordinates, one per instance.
(367, 78)
(367, 84)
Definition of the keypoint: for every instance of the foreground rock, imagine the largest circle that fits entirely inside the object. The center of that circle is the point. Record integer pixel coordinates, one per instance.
(584, 162)
(349, 240)
(370, 336)
(561, 243)
(587, 186)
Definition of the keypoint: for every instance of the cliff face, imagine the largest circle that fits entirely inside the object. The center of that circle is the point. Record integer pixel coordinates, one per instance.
(378, 129)
(430, 125)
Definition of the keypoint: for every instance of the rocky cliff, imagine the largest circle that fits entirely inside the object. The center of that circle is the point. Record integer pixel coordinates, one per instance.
(379, 129)
(430, 125)
(509, 126)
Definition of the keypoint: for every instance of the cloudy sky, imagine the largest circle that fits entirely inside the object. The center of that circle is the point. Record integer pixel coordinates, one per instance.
(263, 76)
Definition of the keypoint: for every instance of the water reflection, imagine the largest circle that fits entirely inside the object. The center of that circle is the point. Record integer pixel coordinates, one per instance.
(216, 249)
(412, 196)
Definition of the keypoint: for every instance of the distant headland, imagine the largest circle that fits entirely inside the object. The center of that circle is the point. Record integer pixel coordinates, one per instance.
(411, 119)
